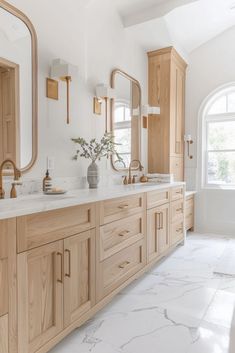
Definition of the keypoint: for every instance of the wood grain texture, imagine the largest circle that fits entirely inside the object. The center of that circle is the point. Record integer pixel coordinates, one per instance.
(4, 334)
(79, 276)
(167, 71)
(42, 228)
(115, 209)
(40, 296)
(114, 271)
(118, 235)
(158, 230)
(189, 212)
(158, 197)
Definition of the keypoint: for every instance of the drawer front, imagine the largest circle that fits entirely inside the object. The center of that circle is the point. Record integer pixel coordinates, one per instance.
(4, 334)
(3, 286)
(45, 227)
(115, 270)
(177, 232)
(189, 221)
(120, 234)
(177, 193)
(177, 210)
(115, 209)
(189, 204)
(157, 198)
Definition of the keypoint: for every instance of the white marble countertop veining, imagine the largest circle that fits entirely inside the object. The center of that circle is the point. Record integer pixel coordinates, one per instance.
(26, 205)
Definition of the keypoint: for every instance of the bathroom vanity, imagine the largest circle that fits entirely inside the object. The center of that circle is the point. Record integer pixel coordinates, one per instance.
(63, 258)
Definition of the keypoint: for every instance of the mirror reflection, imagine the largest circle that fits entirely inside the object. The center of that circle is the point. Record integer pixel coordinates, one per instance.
(16, 107)
(125, 118)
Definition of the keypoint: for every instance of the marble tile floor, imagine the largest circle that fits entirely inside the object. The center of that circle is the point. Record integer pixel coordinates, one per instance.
(180, 306)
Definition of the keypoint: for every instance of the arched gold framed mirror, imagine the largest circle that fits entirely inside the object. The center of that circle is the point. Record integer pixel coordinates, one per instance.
(18, 88)
(125, 119)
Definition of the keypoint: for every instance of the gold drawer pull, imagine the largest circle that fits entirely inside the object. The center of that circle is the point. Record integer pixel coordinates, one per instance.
(68, 274)
(179, 192)
(124, 233)
(60, 280)
(125, 264)
(123, 207)
(179, 230)
(179, 209)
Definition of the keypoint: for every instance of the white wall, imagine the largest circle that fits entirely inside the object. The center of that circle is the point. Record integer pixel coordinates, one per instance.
(88, 34)
(210, 66)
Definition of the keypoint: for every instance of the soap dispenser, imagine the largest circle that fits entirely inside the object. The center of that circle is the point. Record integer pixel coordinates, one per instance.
(47, 182)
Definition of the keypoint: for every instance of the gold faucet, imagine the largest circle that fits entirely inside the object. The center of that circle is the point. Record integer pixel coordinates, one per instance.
(140, 168)
(17, 175)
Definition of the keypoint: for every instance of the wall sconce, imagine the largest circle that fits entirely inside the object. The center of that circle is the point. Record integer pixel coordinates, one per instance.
(64, 71)
(189, 141)
(148, 110)
(104, 92)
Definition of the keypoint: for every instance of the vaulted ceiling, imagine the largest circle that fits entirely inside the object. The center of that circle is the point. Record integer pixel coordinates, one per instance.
(186, 24)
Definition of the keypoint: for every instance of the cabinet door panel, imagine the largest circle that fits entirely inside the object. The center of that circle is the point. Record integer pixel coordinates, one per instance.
(40, 296)
(158, 231)
(79, 272)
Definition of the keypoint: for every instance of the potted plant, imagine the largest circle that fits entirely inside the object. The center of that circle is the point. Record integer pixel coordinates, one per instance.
(94, 151)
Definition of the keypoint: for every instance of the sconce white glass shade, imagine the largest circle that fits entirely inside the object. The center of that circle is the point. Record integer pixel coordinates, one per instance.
(147, 110)
(104, 91)
(61, 69)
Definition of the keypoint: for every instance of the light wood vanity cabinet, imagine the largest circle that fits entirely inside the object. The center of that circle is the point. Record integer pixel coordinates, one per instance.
(58, 268)
(158, 231)
(189, 212)
(56, 286)
(167, 72)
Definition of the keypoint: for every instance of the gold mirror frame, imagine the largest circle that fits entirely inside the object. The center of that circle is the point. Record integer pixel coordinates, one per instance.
(34, 47)
(112, 83)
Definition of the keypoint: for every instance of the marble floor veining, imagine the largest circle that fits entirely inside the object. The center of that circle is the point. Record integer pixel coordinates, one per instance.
(180, 306)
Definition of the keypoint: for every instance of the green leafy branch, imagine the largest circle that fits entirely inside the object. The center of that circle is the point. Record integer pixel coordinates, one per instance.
(95, 150)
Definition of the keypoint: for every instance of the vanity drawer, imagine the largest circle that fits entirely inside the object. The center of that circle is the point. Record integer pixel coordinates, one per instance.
(117, 235)
(177, 210)
(45, 227)
(3, 286)
(157, 198)
(177, 193)
(4, 334)
(117, 269)
(115, 209)
(177, 232)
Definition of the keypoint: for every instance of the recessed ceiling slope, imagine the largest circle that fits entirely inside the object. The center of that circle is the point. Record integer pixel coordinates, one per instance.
(158, 9)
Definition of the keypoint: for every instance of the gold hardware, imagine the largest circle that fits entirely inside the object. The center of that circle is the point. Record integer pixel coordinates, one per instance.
(179, 209)
(123, 207)
(143, 179)
(60, 280)
(126, 263)
(161, 220)
(124, 233)
(17, 174)
(69, 261)
(140, 168)
(52, 89)
(179, 230)
(97, 104)
(158, 220)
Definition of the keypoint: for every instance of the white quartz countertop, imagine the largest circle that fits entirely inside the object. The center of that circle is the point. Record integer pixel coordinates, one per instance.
(190, 193)
(31, 204)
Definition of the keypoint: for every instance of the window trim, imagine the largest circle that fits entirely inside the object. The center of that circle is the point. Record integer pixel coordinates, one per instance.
(205, 119)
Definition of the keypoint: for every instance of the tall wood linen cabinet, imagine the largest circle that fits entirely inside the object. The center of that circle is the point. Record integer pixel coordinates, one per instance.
(166, 89)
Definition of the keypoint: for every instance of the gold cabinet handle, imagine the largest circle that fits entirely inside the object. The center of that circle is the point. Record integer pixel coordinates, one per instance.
(68, 274)
(60, 255)
(179, 209)
(123, 207)
(124, 233)
(125, 264)
(161, 220)
(158, 220)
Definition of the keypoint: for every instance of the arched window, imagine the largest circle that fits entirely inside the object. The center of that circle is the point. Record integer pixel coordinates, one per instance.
(219, 138)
